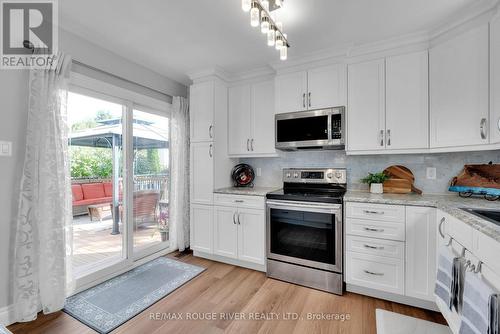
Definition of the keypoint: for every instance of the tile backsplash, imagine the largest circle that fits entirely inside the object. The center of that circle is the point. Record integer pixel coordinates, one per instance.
(447, 166)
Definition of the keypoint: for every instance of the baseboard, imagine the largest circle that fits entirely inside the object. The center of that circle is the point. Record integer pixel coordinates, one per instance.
(428, 305)
(7, 315)
(234, 262)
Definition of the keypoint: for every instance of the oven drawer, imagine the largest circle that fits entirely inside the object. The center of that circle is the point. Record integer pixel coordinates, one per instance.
(375, 272)
(379, 212)
(376, 229)
(242, 201)
(378, 247)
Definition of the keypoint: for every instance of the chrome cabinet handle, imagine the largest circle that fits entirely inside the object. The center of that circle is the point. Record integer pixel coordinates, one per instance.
(388, 137)
(373, 273)
(484, 131)
(239, 221)
(234, 218)
(248, 144)
(370, 229)
(210, 129)
(498, 124)
(373, 212)
(210, 151)
(373, 247)
(239, 201)
(251, 144)
(440, 227)
(303, 100)
(309, 98)
(381, 137)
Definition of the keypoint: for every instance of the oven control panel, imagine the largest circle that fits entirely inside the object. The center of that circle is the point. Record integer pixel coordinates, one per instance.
(315, 175)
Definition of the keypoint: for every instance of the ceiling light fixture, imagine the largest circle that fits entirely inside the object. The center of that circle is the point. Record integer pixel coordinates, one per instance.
(261, 15)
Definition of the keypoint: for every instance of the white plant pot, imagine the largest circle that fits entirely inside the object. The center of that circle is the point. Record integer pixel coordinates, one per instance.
(376, 188)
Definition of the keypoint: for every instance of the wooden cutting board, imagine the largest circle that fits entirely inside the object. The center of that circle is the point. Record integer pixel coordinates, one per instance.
(397, 186)
(402, 172)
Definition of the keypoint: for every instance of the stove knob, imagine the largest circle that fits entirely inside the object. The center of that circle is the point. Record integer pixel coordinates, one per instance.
(338, 175)
(296, 175)
(288, 175)
(329, 175)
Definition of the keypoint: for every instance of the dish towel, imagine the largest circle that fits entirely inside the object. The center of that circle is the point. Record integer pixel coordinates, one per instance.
(480, 307)
(459, 267)
(445, 286)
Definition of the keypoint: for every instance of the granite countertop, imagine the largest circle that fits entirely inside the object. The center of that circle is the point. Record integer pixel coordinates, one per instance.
(450, 204)
(255, 191)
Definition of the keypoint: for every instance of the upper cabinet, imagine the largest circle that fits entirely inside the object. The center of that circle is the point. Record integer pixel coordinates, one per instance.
(495, 80)
(202, 111)
(321, 87)
(251, 120)
(459, 90)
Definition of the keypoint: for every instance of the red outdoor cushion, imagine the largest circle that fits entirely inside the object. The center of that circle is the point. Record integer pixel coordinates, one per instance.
(93, 190)
(108, 189)
(93, 201)
(76, 189)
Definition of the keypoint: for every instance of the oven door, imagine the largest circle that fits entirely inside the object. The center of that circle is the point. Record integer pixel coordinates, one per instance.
(304, 233)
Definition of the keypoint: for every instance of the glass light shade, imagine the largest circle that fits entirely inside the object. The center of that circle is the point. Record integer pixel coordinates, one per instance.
(278, 3)
(279, 41)
(284, 52)
(254, 17)
(264, 24)
(246, 5)
(271, 34)
(265, 4)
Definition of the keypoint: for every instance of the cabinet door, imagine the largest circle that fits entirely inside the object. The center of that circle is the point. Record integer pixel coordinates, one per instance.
(225, 231)
(239, 120)
(262, 139)
(495, 81)
(420, 252)
(366, 106)
(459, 90)
(201, 112)
(327, 87)
(251, 235)
(291, 91)
(407, 101)
(202, 173)
(201, 228)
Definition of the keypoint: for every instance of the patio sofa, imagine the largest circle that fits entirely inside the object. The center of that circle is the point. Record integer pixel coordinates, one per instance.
(86, 194)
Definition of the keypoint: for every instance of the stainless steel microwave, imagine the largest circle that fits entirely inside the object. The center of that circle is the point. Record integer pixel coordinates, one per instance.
(314, 129)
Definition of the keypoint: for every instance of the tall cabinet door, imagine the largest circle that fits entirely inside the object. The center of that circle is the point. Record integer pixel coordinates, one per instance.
(225, 231)
(251, 235)
(459, 84)
(495, 80)
(420, 252)
(201, 228)
(366, 106)
(239, 119)
(202, 173)
(263, 118)
(201, 111)
(291, 92)
(327, 87)
(407, 102)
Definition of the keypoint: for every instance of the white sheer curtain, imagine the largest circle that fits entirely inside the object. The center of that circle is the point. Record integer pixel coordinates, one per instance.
(44, 217)
(179, 205)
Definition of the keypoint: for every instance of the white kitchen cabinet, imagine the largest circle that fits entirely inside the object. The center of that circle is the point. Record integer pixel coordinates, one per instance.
(407, 101)
(201, 229)
(316, 88)
(251, 120)
(495, 80)
(420, 252)
(201, 111)
(251, 235)
(202, 173)
(366, 106)
(225, 231)
(459, 93)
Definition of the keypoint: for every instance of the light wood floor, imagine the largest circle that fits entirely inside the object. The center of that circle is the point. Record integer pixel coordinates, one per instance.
(226, 288)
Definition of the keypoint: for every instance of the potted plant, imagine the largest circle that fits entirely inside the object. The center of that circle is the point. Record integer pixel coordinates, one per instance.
(376, 180)
(163, 227)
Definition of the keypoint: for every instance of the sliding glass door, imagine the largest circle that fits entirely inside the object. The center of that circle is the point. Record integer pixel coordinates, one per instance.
(120, 170)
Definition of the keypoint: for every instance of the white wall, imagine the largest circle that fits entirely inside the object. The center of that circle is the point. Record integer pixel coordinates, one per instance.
(13, 114)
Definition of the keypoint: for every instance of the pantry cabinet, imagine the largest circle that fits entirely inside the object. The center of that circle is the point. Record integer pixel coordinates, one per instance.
(495, 80)
(201, 228)
(202, 172)
(317, 88)
(459, 90)
(251, 120)
(201, 111)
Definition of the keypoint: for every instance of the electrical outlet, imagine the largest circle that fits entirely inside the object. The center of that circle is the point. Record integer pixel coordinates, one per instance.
(5, 148)
(431, 173)
(258, 171)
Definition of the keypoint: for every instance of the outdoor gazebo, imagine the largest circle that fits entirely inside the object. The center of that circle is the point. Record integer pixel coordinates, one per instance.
(109, 135)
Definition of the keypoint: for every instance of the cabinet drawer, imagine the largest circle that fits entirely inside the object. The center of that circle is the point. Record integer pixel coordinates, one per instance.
(377, 247)
(241, 201)
(380, 212)
(375, 272)
(375, 229)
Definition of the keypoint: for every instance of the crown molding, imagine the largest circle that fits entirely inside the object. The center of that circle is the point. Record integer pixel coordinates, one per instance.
(209, 73)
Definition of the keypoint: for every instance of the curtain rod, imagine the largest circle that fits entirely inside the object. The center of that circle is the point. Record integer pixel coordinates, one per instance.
(79, 63)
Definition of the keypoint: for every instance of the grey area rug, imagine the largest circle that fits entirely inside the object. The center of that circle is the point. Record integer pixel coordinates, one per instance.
(108, 305)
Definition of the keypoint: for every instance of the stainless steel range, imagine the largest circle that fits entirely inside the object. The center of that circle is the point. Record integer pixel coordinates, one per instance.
(304, 228)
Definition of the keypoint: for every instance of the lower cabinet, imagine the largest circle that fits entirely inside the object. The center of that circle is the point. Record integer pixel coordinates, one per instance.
(202, 221)
(225, 232)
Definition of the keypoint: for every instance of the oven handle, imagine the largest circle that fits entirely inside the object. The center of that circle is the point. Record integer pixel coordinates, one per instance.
(305, 206)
